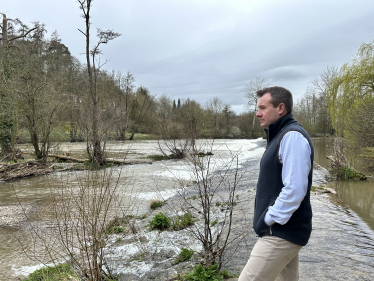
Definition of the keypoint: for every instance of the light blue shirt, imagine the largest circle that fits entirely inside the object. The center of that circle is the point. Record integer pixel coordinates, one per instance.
(294, 154)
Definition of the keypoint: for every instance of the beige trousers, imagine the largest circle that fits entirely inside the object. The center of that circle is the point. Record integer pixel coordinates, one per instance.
(272, 258)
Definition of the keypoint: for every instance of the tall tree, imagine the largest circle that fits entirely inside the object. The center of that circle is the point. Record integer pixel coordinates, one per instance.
(350, 98)
(353, 85)
(215, 107)
(14, 36)
(140, 109)
(251, 89)
(127, 85)
(94, 149)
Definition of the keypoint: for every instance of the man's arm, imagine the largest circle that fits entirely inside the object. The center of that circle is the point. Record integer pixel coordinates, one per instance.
(294, 154)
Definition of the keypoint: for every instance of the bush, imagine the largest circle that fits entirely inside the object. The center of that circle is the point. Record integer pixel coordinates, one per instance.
(201, 273)
(184, 255)
(159, 221)
(183, 222)
(54, 273)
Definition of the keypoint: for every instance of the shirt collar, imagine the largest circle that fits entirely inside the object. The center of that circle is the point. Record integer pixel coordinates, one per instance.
(278, 125)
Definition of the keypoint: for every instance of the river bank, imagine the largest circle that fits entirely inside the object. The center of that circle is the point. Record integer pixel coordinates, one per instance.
(341, 245)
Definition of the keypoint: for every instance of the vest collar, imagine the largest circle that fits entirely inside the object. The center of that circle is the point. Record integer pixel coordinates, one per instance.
(278, 125)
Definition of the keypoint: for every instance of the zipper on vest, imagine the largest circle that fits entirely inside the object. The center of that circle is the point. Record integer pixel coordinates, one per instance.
(271, 233)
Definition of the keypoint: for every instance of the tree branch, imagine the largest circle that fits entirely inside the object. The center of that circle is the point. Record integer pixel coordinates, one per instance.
(24, 35)
(82, 32)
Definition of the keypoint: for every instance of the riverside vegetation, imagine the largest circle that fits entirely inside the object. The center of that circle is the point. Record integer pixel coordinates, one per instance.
(88, 217)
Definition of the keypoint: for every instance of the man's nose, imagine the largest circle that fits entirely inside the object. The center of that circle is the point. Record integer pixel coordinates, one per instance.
(258, 113)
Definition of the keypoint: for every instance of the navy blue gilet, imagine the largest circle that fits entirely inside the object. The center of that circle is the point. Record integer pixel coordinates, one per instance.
(270, 184)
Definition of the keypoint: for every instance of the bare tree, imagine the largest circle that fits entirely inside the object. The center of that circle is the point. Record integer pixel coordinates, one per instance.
(11, 65)
(95, 151)
(251, 89)
(127, 87)
(10, 33)
(141, 105)
(85, 214)
(215, 107)
(212, 197)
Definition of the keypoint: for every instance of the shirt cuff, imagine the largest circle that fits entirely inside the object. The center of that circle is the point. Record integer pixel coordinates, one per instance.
(268, 220)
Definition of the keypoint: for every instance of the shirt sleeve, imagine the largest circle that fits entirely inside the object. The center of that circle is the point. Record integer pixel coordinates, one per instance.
(294, 154)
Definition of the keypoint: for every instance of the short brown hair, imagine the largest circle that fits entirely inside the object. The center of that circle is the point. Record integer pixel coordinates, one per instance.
(278, 95)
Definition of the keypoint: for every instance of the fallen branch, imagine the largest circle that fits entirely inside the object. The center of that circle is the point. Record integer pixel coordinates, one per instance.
(23, 169)
(68, 158)
(129, 161)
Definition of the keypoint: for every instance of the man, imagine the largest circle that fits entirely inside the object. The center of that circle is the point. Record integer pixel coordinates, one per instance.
(283, 214)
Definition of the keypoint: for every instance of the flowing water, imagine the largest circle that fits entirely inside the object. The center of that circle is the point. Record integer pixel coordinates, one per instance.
(158, 181)
(358, 195)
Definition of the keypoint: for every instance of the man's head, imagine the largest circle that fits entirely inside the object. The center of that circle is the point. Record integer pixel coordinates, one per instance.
(273, 103)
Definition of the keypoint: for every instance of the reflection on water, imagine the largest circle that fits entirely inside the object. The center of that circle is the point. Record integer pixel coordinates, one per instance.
(325, 146)
(358, 195)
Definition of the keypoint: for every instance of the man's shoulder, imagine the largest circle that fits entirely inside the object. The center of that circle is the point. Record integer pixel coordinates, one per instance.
(294, 129)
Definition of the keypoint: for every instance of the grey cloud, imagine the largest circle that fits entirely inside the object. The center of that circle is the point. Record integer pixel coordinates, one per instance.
(202, 49)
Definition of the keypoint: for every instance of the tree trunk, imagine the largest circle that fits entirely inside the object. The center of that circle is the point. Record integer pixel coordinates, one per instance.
(35, 144)
(132, 135)
(5, 30)
(253, 125)
(97, 153)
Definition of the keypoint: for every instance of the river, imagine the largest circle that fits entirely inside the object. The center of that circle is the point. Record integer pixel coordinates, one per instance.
(150, 181)
(358, 195)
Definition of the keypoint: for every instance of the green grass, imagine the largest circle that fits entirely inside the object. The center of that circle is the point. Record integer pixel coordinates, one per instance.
(207, 273)
(203, 273)
(184, 255)
(182, 222)
(61, 272)
(227, 274)
(155, 203)
(213, 223)
(115, 226)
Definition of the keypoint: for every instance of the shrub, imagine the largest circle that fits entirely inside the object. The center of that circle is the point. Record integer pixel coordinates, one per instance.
(155, 203)
(159, 221)
(182, 222)
(184, 255)
(202, 273)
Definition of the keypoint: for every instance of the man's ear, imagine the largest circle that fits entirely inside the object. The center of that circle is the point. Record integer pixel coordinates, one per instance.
(282, 109)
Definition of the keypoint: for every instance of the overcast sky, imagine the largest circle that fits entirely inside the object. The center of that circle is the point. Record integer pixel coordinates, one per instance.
(201, 49)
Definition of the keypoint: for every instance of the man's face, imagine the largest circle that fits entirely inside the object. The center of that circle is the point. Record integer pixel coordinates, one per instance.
(266, 112)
